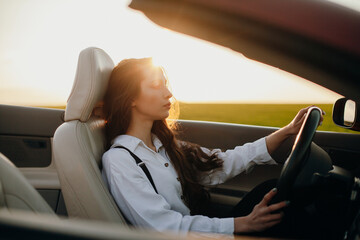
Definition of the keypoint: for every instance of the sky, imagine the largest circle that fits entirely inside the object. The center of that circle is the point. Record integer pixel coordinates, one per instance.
(40, 41)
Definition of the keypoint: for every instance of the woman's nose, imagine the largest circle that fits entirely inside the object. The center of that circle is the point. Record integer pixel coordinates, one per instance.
(168, 94)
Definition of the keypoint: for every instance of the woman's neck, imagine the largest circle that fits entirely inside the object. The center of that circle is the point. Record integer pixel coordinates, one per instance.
(141, 129)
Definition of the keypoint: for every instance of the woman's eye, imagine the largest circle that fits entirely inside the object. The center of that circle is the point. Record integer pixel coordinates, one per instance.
(157, 83)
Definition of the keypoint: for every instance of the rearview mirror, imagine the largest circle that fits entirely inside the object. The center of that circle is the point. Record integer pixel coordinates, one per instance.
(345, 114)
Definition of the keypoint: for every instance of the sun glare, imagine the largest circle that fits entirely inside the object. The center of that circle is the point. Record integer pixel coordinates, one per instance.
(41, 55)
(157, 62)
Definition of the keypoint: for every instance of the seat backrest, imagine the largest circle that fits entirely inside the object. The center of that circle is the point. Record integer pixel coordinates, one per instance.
(79, 142)
(16, 193)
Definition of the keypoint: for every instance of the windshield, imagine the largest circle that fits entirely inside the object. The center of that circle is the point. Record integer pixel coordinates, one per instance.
(41, 40)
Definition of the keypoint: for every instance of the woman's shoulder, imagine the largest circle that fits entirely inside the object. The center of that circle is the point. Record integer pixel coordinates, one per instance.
(116, 151)
(117, 156)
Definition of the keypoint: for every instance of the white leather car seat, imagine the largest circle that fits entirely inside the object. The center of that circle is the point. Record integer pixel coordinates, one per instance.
(79, 142)
(16, 193)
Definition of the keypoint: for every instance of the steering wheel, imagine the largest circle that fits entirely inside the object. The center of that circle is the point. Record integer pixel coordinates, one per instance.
(298, 156)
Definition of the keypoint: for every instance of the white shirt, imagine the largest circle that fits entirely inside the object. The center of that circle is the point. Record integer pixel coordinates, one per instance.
(143, 207)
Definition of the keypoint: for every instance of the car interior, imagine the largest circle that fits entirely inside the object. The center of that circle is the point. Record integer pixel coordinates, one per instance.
(78, 143)
(50, 159)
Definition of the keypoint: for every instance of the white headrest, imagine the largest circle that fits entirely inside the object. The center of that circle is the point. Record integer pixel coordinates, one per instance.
(91, 80)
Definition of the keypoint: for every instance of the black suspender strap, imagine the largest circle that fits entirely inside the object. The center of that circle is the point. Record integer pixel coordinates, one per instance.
(142, 165)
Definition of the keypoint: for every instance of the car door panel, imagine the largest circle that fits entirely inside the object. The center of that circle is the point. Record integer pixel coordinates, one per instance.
(26, 139)
(26, 151)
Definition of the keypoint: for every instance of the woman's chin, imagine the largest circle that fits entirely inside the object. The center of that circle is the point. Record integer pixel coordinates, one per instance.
(161, 117)
(166, 115)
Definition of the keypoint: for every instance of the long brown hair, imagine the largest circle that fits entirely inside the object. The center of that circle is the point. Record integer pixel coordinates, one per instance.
(189, 161)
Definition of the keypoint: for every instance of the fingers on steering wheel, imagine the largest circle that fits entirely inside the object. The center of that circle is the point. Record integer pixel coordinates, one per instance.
(307, 108)
(276, 206)
(267, 198)
(303, 117)
(303, 111)
(273, 217)
(272, 223)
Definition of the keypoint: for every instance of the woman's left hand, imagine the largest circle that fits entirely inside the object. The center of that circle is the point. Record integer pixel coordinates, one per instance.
(294, 126)
(274, 140)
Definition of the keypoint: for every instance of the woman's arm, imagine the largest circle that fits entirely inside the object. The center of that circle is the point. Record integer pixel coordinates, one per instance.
(143, 207)
(274, 140)
(237, 160)
(243, 158)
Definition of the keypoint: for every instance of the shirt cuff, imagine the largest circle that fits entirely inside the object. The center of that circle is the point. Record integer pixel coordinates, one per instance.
(264, 156)
(226, 225)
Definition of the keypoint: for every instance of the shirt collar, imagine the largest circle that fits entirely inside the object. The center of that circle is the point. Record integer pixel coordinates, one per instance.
(131, 142)
(156, 141)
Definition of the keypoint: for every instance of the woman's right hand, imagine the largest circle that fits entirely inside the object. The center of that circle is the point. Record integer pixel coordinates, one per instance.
(262, 216)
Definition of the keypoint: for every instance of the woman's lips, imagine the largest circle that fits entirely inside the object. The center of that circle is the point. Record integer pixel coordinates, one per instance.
(167, 105)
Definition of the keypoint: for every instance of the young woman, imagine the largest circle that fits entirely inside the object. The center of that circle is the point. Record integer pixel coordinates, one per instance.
(137, 105)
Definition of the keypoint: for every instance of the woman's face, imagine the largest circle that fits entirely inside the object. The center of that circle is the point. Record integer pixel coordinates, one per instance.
(153, 101)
